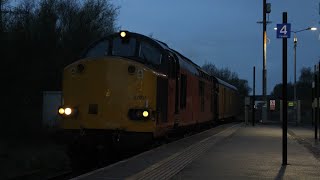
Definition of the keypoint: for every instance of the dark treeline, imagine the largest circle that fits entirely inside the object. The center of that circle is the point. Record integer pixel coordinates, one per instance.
(303, 87)
(38, 39)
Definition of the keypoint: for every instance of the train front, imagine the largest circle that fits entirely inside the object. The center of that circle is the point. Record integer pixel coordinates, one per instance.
(110, 94)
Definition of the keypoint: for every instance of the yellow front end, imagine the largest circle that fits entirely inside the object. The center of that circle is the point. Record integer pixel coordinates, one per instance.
(101, 92)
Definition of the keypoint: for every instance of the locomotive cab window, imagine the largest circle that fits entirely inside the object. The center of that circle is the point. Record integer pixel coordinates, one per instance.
(98, 50)
(149, 53)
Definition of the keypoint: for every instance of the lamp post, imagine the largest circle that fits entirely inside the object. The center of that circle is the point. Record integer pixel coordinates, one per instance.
(295, 42)
(266, 9)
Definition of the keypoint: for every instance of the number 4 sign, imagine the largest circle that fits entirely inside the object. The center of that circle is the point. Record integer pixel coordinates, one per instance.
(283, 30)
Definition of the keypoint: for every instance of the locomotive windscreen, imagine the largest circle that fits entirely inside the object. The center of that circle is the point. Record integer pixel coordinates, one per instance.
(123, 49)
(133, 48)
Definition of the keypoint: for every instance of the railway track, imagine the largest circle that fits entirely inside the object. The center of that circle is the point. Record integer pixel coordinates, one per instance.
(68, 174)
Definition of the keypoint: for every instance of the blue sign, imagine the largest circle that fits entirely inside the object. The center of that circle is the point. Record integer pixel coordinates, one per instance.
(283, 30)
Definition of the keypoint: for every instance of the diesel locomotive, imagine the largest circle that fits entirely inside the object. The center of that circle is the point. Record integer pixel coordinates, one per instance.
(128, 89)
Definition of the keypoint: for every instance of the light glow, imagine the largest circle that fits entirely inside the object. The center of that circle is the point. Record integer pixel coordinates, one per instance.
(68, 111)
(61, 111)
(145, 114)
(123, 34)
(313, 29)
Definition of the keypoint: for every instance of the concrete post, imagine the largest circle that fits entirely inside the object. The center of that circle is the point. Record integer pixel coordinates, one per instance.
(246, 109)
(264, 112)
(313, 111)
(281, 116)
(246, 113)
(299, 112)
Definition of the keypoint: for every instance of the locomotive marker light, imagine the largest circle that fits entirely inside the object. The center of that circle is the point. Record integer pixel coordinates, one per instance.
(80, 68)
(145, 114)
(61, 111)
(131, 69)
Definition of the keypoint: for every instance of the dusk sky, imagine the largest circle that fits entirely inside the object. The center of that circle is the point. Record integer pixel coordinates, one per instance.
(226, 32)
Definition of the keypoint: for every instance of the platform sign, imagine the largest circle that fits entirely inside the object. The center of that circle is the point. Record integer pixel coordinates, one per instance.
(272, 105)
(283, 30)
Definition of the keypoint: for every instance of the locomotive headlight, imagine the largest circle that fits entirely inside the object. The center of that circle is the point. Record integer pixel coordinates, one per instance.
(139, 114)
(61, 111)
(145, 114)
(123, 34)
(68, 111)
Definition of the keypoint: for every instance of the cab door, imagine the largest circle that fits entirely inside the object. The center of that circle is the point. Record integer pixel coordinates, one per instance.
(163, 93)
(174, 90)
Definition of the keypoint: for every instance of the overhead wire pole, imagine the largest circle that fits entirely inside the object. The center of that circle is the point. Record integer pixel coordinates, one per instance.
(315, 104)
(264, 71)
(318, 94)
(295, 40)
(254, 94)
(1, 29)
(1, 15)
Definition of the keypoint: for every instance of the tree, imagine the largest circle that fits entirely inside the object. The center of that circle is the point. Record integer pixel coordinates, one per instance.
(306, 75)
(277, 91)
(303, 88)
(42, 37)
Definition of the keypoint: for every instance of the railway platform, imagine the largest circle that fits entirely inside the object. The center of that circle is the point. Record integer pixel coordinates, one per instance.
(230, 151)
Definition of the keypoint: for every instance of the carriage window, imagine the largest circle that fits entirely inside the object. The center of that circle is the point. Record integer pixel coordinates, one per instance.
(150, 53)
(123, 49)
(98, 50)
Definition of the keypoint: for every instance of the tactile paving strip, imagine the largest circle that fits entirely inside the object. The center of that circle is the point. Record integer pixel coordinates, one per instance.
(172, 165)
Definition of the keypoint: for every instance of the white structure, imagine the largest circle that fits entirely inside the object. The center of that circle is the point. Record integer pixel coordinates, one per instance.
(51, 102)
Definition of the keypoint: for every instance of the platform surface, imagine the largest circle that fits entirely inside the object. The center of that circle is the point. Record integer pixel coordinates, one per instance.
(233, 151)
(256, 153)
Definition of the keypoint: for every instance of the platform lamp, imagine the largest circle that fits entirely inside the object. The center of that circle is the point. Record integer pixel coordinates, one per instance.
(295, 42)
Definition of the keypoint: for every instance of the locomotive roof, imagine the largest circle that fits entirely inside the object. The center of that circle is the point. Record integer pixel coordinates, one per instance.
(225, 84)
(184, 61)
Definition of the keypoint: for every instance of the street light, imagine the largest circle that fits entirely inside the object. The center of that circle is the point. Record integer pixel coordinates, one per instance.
(295, 42)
